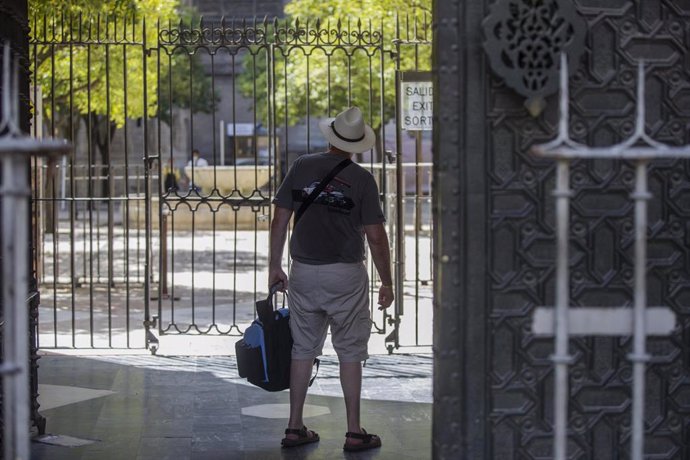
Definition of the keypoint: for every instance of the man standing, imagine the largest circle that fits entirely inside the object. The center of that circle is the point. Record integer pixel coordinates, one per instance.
(328, 277)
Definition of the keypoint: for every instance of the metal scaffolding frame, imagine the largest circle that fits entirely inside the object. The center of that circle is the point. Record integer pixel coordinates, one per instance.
(15, 193)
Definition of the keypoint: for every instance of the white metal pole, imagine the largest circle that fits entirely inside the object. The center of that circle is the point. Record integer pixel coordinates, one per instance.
(15, 193)
(639, 355)
(561, 358)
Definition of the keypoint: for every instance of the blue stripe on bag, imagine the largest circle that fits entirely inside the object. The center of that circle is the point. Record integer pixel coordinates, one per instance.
(253, 338)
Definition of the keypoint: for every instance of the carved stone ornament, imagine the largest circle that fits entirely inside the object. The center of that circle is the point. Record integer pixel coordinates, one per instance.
(524, 39)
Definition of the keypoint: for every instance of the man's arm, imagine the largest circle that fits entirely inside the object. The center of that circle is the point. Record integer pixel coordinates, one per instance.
(279, 225)
(380, 252)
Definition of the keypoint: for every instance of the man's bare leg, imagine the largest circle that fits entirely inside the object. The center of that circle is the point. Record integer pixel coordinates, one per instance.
(351, 381)
(300, 373)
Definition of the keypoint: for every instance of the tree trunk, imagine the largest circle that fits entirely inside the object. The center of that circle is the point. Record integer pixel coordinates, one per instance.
(102, 132)
(379, 147)
(59, 127)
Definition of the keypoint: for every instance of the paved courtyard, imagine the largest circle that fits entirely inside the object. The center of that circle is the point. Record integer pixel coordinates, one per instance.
(104, 393)
(205, 293)
(153, 407)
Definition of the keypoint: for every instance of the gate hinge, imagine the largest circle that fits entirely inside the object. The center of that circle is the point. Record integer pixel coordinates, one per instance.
(152, 342)
(151, 323)
(149, 160)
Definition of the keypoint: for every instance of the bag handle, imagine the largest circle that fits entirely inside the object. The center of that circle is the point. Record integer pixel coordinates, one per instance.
(273, 289)
(264, 308)
(319, 188)
(316, 363)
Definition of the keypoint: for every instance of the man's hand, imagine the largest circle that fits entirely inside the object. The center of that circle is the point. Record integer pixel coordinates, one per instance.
(277, 275)
(380, 252)
(386, 297)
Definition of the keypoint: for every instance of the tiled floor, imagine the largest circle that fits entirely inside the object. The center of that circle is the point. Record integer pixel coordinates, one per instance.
(192, 408)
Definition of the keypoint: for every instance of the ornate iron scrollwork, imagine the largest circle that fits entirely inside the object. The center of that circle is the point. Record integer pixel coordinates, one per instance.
(524, 38)
(279, 31)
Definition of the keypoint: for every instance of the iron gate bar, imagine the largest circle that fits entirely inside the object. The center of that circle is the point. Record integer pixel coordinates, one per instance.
(73, 204)
(109, 203)
(398, 260)
(126, 180)
(147, 191)
(161, 210)
(89, 155)
(215, 185)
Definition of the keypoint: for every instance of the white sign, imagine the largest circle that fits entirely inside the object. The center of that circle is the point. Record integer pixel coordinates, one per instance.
(240, 129)
(417, 107)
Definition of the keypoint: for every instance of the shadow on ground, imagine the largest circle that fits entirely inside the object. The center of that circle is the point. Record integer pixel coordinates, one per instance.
(192, 408)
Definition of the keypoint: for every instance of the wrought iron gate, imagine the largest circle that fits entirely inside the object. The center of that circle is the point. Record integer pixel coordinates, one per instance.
(141, 234)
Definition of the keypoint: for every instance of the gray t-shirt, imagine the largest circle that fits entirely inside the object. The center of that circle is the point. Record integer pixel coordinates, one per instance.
(331, 230)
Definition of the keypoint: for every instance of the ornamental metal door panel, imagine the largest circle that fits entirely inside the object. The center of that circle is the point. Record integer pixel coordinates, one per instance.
(496, 250)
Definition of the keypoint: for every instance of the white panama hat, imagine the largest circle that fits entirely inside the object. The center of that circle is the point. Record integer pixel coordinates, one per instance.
(348, 132)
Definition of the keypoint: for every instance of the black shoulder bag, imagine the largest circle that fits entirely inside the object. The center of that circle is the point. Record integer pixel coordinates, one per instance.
(318, 189)
(264, 353)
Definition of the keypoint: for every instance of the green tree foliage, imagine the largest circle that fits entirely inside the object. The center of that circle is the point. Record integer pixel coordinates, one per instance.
(184, 84)
(88, 60)
(325, 79)
(77, 72)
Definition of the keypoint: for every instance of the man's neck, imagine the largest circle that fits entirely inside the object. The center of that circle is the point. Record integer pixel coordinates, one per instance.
(337, 151)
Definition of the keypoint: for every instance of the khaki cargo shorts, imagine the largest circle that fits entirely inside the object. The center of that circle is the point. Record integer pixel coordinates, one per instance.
(335, 295)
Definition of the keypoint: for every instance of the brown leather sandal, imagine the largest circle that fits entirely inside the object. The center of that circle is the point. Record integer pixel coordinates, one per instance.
(302, 437)
(369, 441)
